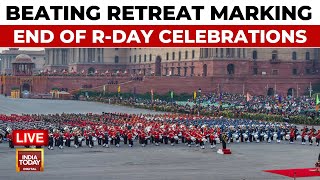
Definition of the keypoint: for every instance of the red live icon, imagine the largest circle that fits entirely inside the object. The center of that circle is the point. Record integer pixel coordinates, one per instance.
(30, 137)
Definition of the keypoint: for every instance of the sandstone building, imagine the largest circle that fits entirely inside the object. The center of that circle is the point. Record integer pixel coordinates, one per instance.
(259, 71)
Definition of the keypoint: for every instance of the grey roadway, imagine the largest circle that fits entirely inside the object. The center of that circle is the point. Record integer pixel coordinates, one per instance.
(39, 106)
(165, 162)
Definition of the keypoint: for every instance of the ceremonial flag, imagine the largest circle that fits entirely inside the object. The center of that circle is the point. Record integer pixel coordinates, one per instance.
(119, 89)
(249, 97)
(317, 103)
(151, 95)
(280, 101)
(220, 99)
(194, 95)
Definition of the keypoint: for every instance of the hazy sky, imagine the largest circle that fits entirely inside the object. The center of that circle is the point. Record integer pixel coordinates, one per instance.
(1, 49)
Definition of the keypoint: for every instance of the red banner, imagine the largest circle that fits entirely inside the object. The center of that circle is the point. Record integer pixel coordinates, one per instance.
(30, 137)
(160, 36)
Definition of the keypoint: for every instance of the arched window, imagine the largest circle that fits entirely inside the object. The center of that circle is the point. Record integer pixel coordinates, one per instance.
(179, 55)
(140, 58)
(116, 59)
(221, 52)
(186, 55)
(230, 69)
(270, 92)
(254, 55)
(274, 55)
(167, 56)
(130, 59)
(135, 58)
(145, 58)
(294, 55)
(150, 57)
(173, 55)
(91, 70)
(193, 54)
(307, 55)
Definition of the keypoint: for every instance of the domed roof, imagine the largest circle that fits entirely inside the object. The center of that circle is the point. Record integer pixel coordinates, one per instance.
(23, 58)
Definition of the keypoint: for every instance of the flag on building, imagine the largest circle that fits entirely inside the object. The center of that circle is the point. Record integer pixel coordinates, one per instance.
(194, 95)
(249, 97)
(119, 89)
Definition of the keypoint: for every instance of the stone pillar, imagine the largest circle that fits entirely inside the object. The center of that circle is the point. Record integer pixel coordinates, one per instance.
(79, 55)
(48, 55)
(76, 56)
(60, 56)
(53, 57)
(96, 55)
(102, 55)
(72, 54)
(56, 56)
(86, 57)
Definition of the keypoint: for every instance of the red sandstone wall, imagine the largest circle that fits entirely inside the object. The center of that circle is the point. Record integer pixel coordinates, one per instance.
(217, 79)
(255, 85)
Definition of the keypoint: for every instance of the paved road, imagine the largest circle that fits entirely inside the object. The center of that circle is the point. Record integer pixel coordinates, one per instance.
(165, 162)
(39, 106)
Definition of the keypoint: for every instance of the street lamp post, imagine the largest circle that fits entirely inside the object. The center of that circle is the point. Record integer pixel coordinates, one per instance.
(199, 100)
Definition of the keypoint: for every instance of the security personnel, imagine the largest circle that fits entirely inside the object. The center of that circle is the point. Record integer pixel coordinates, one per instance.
(105, 139)
(50, 145)
(9, 137)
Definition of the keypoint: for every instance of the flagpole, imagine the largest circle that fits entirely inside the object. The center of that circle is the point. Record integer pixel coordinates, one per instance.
(243, 89)
(310, 90)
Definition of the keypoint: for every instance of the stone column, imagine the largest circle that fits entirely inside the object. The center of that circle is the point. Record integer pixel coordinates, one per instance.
(48, 57)
(70, 56)
(76, 55)
(56, 56)
(101, 55)
(96, 55)
(53, 57)
(79, 54)
(86, 57)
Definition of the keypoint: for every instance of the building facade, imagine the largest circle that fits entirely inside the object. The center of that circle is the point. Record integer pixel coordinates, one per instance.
(8, 56)
(258, 71)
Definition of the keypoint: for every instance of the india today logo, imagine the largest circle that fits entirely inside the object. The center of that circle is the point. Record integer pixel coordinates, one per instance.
(29, 160)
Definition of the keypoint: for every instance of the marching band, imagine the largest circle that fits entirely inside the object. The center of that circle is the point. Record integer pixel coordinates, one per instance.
(117, 129)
